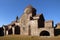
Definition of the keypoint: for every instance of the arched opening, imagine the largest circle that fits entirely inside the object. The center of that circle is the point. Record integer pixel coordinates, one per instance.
(44, 33)
(17, 30)
(56, 32)
(1, 32)
(10, 31)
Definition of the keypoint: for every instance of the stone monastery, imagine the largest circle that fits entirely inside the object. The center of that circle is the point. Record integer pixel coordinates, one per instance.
(31, 24)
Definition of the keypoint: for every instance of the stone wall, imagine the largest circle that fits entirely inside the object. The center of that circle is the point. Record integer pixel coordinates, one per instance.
(34, 27)
(49, 24)
(49, 30)
(31, 24)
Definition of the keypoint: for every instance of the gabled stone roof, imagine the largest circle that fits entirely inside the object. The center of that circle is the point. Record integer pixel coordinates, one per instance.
(37, 16)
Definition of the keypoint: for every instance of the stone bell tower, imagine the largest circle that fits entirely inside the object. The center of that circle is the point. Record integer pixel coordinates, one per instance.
(29, 12)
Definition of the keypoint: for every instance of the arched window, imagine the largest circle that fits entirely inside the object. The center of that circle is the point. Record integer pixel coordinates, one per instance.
(44, 33)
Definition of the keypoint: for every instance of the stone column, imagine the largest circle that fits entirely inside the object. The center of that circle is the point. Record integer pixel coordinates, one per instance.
(6, 32)
(52, 32)
(13, 29)
(33, 26)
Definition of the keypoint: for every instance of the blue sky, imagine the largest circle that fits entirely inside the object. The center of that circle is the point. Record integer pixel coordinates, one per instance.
(9, 9)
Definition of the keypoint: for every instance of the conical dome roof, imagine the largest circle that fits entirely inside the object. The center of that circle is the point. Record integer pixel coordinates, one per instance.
(29, 6)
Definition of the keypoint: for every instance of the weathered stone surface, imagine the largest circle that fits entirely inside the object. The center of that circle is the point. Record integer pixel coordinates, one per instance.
(49, 24)
(31, 24)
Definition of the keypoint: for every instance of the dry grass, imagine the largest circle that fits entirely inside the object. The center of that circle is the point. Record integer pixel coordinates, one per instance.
(21, 37)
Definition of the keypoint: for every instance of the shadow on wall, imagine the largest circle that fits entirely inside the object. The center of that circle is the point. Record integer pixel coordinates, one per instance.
(56, 32)
(1, 32)
(41, 21)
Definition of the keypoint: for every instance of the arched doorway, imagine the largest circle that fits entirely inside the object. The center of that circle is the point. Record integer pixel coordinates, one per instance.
(10, 31)
(17, 30)
(44, 33)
